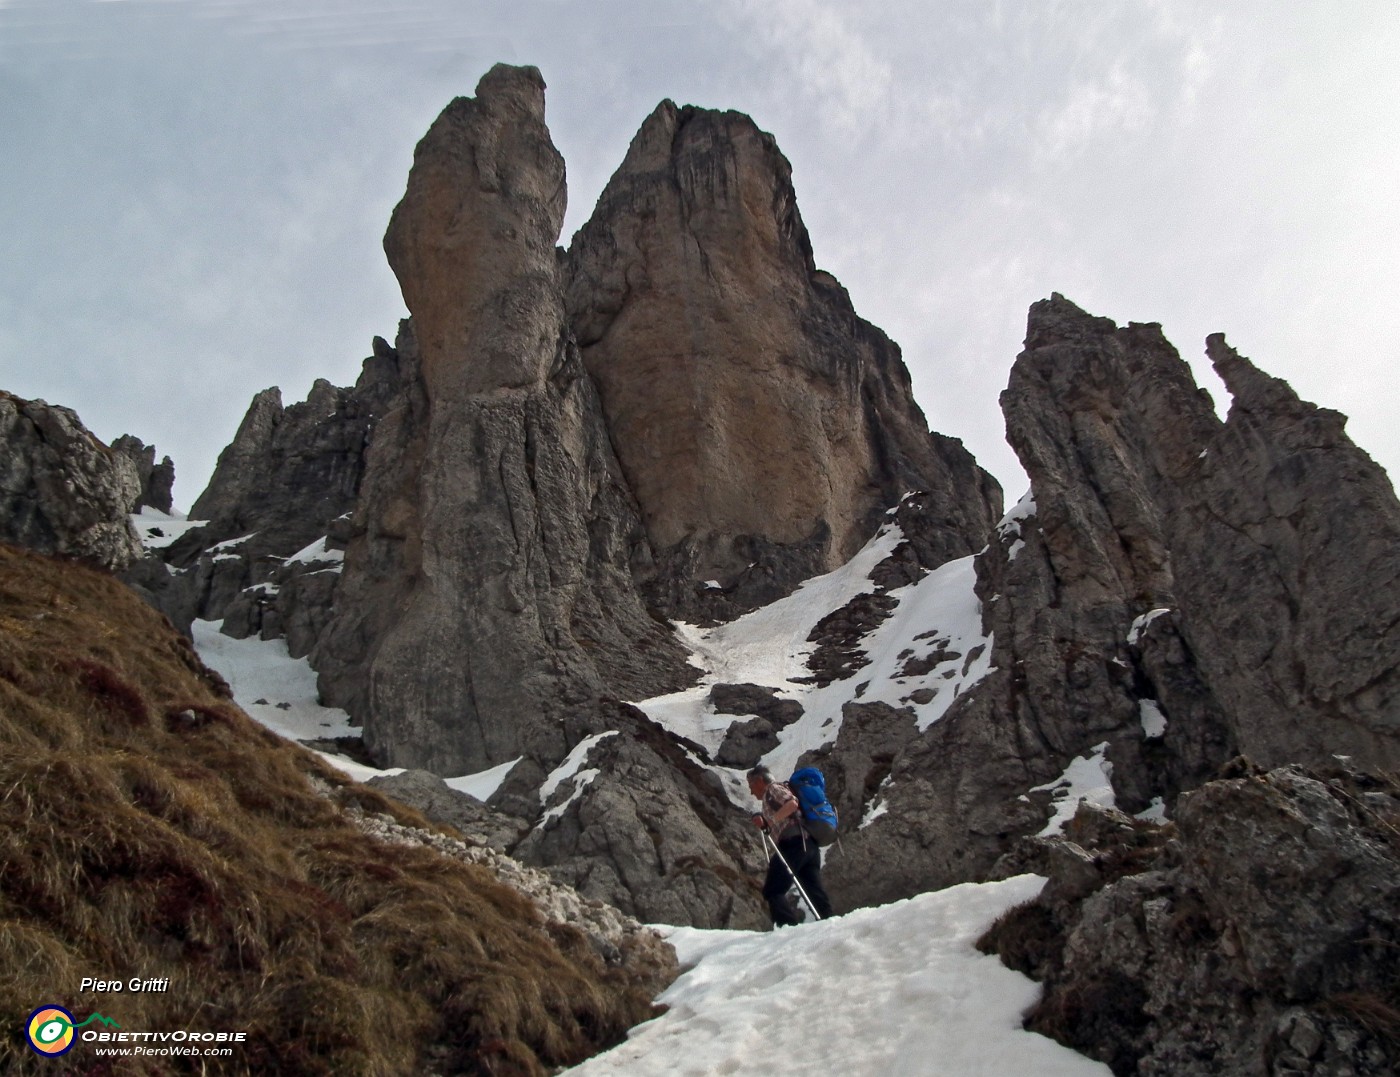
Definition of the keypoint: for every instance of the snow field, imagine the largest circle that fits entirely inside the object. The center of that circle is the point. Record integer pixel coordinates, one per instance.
(897, 990)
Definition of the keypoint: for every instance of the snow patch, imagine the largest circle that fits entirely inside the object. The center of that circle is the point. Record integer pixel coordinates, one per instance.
(877, 807)
(231, 544)
(157, 529)
(1139, 625)
(569, 770)
(1154, 722)
(319, 552)
(1085, 779)
(484, 783)
(1156, 812)
(1011, 524)
(937, 615)
(767, 646)
(278, 691)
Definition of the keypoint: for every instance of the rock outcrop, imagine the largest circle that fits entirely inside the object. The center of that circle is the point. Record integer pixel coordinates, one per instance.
(290, 470)
(1255, 935)
(487, 592)
(763, 426)
(157, 480)
(682, 417)
(493, 535)
(275, 517)
(638, 823)
(61, 490)
(1175, 590)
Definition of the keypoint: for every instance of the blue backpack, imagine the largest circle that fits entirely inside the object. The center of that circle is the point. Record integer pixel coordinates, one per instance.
(818, 816)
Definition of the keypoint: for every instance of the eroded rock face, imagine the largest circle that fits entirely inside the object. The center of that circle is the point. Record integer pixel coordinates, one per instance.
(488, 595)
(1176, 590)
(1254, 936)
(61, 490)
(762, 425)
(290, 470)
(642, 827)
(1272, 542)
(276, 512)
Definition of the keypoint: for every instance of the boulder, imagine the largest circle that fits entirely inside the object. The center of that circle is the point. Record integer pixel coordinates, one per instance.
(642, 826)
(439, 802)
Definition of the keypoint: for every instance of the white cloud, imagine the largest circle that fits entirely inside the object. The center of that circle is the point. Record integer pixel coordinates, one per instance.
(1112, 104)
(816, 49)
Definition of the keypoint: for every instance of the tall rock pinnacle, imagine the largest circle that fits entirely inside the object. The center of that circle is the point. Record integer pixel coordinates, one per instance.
(473, 240)
(486, 602)
(762, 425)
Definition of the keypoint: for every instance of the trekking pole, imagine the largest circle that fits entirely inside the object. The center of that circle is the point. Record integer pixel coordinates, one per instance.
(769, 842)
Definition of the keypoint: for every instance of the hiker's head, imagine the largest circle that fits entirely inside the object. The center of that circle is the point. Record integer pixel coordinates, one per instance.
(759, 780)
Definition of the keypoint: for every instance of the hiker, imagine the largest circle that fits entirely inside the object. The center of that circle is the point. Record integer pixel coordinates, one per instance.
(782, 820)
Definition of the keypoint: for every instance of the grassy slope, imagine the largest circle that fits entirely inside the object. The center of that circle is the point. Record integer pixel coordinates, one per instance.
(149, 828)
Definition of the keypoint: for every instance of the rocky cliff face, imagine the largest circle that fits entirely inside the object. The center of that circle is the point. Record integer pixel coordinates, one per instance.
(275, 517)
(62, 490)
(1269, 540)
(1174, 591)
(763, 426)
(292, 469)
(496, 519)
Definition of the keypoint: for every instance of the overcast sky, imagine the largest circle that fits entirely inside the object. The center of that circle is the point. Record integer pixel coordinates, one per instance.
(193, 192)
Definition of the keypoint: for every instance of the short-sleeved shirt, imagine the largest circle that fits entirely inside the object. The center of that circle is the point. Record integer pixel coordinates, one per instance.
(774, 797)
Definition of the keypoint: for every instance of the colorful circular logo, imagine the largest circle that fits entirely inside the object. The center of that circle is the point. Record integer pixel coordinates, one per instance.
(51, 1030)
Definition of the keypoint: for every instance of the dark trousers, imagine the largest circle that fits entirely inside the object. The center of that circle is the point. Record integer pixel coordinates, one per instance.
(805, 860)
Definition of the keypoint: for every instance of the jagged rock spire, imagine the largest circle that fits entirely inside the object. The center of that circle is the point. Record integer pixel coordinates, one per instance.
(763, 426)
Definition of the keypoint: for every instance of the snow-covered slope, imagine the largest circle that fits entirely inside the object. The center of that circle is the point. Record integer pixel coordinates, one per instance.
(897, 990)
(770, 647)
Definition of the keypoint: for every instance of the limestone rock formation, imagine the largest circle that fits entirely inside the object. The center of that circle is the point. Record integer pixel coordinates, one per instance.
(763, 426)
(682, 417)
(290, 470)
(640, 825)
(1256, 935)
(1174, 591)
(487, 594)
(61, 490)
(157, 480)
(274, 518)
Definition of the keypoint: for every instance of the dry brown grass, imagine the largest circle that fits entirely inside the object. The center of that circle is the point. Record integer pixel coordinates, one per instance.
(149, 828)
(1027, 937)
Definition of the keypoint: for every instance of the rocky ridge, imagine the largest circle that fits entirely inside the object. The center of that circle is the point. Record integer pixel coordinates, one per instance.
(157, 480)
(1174, 591)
